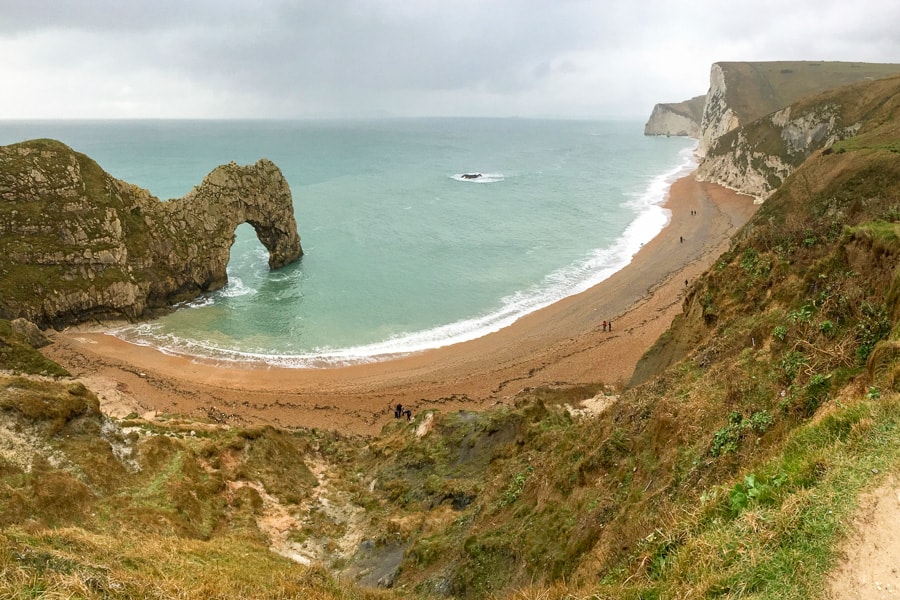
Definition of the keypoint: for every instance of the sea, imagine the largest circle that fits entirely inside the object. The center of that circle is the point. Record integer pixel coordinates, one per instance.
(402, 252)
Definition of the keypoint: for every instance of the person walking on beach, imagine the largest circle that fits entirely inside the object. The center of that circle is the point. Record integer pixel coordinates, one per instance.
(609, 324)
(604, 325)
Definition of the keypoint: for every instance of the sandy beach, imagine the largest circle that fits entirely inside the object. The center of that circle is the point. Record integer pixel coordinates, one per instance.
(562, 344)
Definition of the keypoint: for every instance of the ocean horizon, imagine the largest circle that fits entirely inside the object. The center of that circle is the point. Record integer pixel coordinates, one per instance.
(404, 249)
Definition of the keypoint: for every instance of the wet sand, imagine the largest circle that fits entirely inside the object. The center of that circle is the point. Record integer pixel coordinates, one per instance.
(562, 344)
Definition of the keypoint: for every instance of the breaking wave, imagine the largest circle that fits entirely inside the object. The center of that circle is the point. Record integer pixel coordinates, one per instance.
(651, 217)
(478, 177)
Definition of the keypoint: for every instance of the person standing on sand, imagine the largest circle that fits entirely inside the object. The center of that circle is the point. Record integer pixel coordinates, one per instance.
(610, 325)
(604, 325)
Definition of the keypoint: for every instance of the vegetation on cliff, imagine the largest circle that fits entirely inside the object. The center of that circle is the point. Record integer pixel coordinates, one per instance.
(78, 244)
(756, 89)
(757, 158)
(679, 118)
(760, 120)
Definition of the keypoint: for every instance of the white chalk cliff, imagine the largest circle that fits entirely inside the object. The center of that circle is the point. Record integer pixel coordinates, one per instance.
(761, 120)
(679, 119)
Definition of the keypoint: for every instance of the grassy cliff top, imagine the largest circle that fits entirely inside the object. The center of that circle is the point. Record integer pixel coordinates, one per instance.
(755, 89)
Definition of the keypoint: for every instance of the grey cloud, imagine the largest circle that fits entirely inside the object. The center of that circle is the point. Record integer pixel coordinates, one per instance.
(347, 56)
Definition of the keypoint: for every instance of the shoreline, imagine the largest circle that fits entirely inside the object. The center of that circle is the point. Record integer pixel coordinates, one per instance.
(562, 344)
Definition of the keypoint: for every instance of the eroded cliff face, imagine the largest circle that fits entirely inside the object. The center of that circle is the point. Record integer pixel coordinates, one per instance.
(741, 162)
(828, 240)
(718, 116)
(761, 120)
(757, 158)
(77, 244)
(680, 119)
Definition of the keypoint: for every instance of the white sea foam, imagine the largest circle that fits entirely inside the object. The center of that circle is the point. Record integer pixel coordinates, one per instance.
(200, 302)
(482, 177)
(568, 281)
(236, 288)
(651, 218)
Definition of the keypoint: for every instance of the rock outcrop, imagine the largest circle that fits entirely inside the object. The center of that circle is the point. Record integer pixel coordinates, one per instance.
(755, 159)
(742, 92)
(827, 240)
(756, 123)
(680, 119)
(77, 244)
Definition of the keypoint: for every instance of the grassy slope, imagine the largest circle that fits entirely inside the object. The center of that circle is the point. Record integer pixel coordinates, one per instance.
(756, 89)
(90, 508)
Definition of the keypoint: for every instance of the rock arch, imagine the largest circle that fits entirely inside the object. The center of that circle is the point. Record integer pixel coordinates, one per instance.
(78, 244)
(229, 196)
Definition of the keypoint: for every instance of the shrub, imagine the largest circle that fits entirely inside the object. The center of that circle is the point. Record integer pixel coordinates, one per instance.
(791, 364)
(727, 439)
(754, 491)
(873, 327)
(816, 391)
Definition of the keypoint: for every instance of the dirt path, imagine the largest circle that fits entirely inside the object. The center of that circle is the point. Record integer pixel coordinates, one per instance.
(871, 566)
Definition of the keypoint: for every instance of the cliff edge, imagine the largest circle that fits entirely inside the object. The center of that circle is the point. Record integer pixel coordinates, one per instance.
(829, 231)
(742, 92)
(760, 120)
(756, 158)
(77, 243)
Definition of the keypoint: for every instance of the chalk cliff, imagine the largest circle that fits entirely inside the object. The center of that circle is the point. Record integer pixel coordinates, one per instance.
(825, 242)
(741, 92)
(759, 120)
(756, 158)
(680, 118)
(77, 243)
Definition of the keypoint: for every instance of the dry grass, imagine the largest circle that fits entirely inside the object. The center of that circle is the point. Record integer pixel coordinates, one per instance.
(69, 563)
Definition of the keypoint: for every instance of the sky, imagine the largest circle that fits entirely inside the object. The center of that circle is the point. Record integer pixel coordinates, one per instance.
(284, 59)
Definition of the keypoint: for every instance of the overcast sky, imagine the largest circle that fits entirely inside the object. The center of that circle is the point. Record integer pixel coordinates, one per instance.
(352, 58)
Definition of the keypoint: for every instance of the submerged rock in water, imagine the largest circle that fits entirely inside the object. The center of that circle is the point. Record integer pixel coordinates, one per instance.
(77, 243)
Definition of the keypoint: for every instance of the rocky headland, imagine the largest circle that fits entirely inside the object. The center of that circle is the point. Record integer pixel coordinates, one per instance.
(78, 244)
(676, 118)
(760, 120)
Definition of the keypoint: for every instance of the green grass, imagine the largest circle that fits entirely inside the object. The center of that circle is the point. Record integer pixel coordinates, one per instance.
(17, 356)
(782, 545)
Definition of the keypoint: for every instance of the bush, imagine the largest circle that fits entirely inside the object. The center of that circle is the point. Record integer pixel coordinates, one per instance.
(727, 439)
(873, 327)
(753, 491)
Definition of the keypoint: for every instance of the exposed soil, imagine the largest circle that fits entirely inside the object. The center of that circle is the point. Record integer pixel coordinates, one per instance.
(870, 569)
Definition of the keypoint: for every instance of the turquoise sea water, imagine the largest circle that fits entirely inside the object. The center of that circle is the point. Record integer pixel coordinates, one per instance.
(401, 252)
